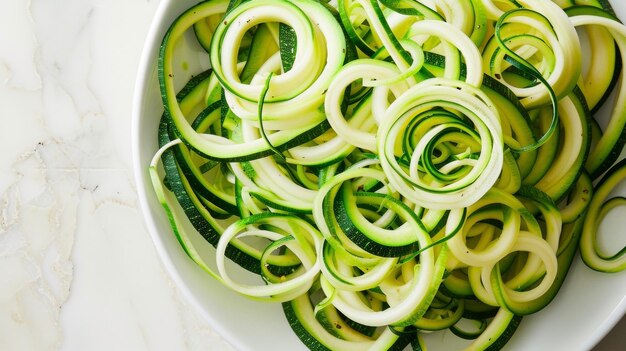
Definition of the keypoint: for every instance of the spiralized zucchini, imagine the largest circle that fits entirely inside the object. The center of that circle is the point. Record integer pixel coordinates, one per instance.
(387, 168)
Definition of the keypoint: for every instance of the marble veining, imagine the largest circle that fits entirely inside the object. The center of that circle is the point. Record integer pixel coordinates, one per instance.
(78, 270)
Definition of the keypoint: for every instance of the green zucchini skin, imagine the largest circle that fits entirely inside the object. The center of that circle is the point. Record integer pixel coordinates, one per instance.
(388, 169)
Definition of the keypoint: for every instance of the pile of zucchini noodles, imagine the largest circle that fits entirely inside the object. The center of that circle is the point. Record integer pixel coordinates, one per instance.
(393, 167)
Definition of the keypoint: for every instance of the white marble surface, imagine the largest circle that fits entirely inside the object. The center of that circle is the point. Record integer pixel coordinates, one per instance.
(77, 268)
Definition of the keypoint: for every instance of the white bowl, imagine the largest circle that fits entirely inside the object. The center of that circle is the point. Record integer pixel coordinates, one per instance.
(587, 307)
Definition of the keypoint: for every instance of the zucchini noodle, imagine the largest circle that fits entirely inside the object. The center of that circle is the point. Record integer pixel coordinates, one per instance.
(385, 169)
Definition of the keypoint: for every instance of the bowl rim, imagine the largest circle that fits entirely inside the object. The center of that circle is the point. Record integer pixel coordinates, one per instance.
(146, 66)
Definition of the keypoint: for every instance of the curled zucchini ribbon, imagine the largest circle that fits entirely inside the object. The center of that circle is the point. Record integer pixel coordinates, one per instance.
(473, 141)
(601, 204)
(389, 168)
